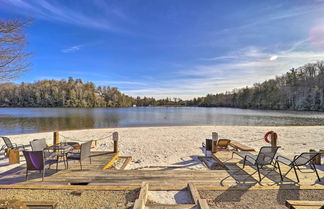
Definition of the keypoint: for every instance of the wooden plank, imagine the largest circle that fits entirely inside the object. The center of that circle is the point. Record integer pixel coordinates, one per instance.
(37, 204)
(194, 192)
(144, 192)
(155, 187)
(119, 187)
(284, 187)
(139, 204)
(241, 147)
(41, 204)
(301, 203)
(142, 197)
(111, 162)
(202, 203)
(174, 206)
(127, 161)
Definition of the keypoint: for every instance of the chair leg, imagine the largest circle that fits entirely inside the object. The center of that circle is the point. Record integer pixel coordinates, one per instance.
(244, 161)
(258, 172)
(67, 162)
(319, 179)
(57, 162)
(26, 174)
(81, 165)
(296, 173)
(64, 161)
(43, 174)
(90, 159)
(279, 171)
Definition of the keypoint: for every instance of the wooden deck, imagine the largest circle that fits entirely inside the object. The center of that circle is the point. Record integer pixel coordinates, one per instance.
(94, 175)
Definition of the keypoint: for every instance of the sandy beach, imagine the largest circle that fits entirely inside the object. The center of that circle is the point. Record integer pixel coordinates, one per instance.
(180, 145)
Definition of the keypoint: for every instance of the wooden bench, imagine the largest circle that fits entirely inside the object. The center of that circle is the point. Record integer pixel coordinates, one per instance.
(241, 147)
(300, 204)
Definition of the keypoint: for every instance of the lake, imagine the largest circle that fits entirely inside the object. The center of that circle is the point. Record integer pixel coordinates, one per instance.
(27, 120)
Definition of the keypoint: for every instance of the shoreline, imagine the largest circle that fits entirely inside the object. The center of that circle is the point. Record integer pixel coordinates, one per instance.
(181, 145)
(160, 126)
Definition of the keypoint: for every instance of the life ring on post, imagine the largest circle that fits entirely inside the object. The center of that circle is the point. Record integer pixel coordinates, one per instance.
(270, 133)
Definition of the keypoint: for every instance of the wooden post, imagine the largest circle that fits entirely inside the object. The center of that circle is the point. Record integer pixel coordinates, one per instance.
(274, 138)
(56, 137)
(115, 139)
(320, 156)
(317, 160)
(13, 155)
(214, 142)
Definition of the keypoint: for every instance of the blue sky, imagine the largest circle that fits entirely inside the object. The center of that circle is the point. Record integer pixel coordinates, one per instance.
(177, 48)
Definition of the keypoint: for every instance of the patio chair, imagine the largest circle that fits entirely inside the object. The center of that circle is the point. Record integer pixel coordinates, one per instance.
(299, 160)
(40, 145)
(9, 145)
(35, 161)
(82, 155)
(265, 157)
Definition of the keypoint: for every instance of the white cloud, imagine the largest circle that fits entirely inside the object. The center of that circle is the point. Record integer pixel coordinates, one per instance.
(238, 69)
(72, 49)
(54, 11)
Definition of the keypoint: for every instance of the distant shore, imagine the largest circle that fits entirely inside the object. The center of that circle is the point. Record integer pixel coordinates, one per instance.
(180, 145)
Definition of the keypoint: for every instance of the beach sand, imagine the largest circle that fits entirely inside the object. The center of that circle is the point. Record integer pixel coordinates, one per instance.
(180, 145)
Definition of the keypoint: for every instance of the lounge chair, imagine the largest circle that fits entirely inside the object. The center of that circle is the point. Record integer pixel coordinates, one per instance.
(299, 160)
(9, 145)
(82, 155)
(222, 144)
(35, 160)
(265, 157)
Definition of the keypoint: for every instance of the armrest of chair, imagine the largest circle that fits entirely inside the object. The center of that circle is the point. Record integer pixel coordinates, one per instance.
(284, 160)
(252, 160)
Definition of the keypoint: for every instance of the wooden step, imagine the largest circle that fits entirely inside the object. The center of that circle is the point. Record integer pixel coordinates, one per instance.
(174, 206)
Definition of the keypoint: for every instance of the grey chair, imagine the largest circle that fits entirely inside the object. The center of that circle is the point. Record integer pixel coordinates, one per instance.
(265, 157)
(9, 145)
(40, 145)
(85, 153)
(299, 160)
(35, 160)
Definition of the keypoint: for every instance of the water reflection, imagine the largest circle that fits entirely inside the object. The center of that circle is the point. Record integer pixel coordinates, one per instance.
(24, 120)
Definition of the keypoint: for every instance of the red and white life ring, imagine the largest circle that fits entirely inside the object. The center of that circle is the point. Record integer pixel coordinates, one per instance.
(270, 133)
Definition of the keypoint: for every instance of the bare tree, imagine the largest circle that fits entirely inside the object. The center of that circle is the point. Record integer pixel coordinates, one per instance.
(13, 57)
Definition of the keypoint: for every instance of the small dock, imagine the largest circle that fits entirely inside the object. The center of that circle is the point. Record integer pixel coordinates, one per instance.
(103, 175)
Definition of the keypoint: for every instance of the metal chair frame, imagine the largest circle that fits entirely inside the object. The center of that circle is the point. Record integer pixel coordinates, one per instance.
(10, 145)
(293, 164)
(259, 160)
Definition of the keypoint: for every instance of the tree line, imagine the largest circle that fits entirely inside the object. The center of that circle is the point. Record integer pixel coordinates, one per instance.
(71, 93)
(299, 89)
